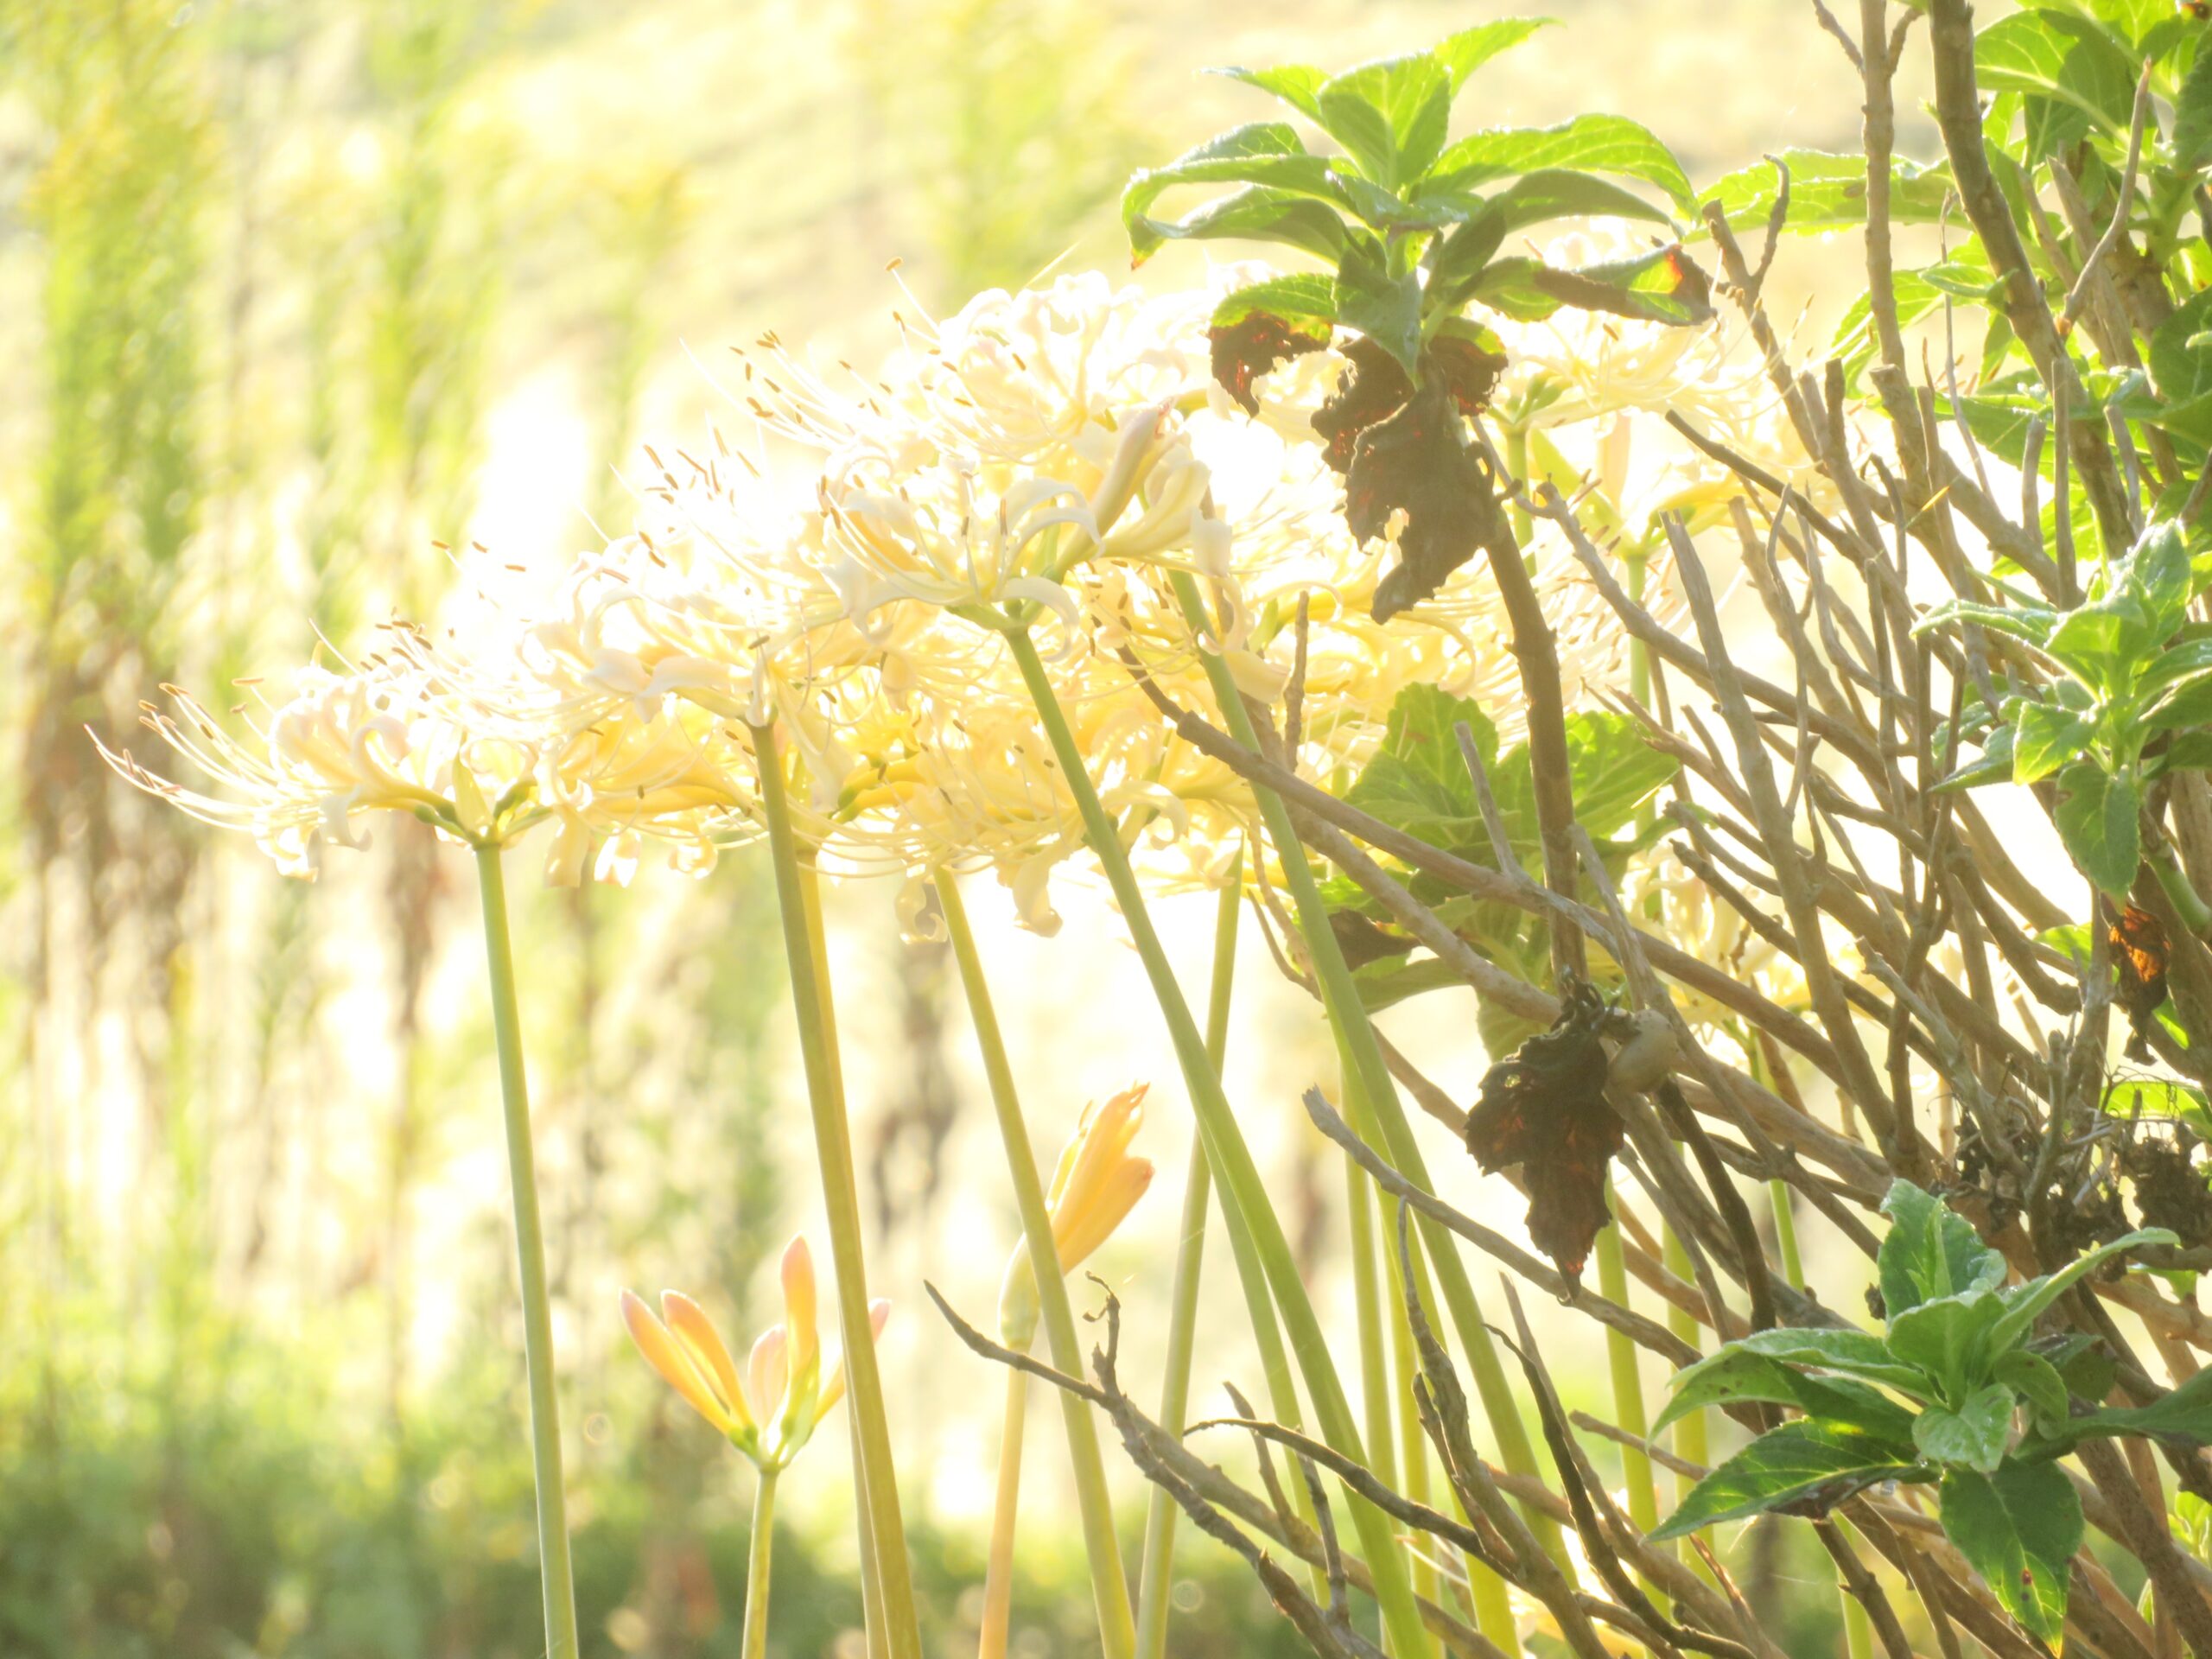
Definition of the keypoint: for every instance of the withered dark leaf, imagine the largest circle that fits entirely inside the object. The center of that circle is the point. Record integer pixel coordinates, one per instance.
(2140, 948)
(1371, 391)
(1545, 1110)
(1419, 461)
(1469, 371)
(1248, 348)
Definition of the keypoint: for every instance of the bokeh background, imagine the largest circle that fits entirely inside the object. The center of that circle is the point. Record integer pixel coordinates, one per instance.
(312, 312)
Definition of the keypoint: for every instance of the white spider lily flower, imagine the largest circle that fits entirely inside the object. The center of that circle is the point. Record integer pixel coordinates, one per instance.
(388, 738)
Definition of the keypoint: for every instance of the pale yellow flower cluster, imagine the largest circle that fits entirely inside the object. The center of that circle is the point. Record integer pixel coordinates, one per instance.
(1050, 460)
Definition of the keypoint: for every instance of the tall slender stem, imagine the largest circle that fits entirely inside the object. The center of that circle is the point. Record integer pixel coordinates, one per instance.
(1156, 1568)
(1109, 1587)
(757, 1554)
(817, 947)
(1239, 1178)
(998, 1566)
(1368, 1087)
(1628, 1382)
(842, 1208)
(556, 1576)
(1367, 1314)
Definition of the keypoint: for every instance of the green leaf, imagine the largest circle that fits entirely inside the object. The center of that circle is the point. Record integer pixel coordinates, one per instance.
(1596, 143)
(1803, 1463)
(1613, 770)
(1384, 307)
(1416, 781)
(1555, 192)
(2180, 362)
(2185, 1414)
(1391, 115)
(2065, 60)
(2097, 822)
(1947, 1339)
(1854, 1352)
(1306, 295)
(2193, 113)
(2036, 1381)
(1994, 766)
(1930, 1251)
(2157, 570)
(1975, 1435)
(1266, 153)
(1459, 55)
(2023, 622)
(2160, 1098)
(2019, 1529)
(2024, 1304)
(1664, 285)
(1737, 1373)
(1295, 84)
(1855, 342)
(1257, 214)
(1827, 192)
(2046, 737)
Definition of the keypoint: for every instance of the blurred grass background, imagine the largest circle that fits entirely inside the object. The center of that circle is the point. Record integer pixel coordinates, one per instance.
(292, 293)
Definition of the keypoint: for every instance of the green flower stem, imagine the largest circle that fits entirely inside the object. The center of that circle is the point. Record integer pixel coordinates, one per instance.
(1493, 1604)
(756, 1566)
(556, 1576)
(817, 944)
(841, 1204)
(1006, 1505)
(1233, 1168)
(1370, 1089)
(1628, 1384)
(1109, 1586)
(1367, 1309)
(1156, 1570)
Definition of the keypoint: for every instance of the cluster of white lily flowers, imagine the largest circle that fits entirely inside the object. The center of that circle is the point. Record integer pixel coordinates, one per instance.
(1050, 458)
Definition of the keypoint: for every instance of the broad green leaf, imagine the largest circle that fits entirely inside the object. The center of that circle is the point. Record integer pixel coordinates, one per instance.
(2065, 60)
(2028, 622)
(1555, 192)
(1613, 770)
(1508, 287)
(2046, 737)
(1975, 1435)
(1384, 307)
(1295, 84)
(2036, 1381)
(2024, 1304)
(2103, 639)
(2185, 1414)
(1306, 295)
(1458, 261)
(1827, 192)
(1994, 765)
(2178, 665)
(1812, 1464)
(2019, 1529)
(1416, 781)
(2193, 113)
(1597, 143)
(1737, 1373)
(2160, 1098)
(1391, 115)
(1263, 152)
(2180, 362)
(1947, 1339)
(1853, 1353)
(1257, 213)
(1664, 286)
(1930, 1250)
(1460, 56)
(2157, 572)
(2097, 822)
